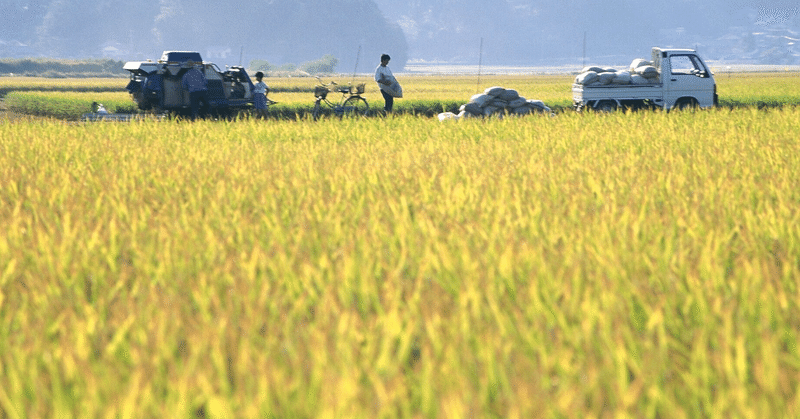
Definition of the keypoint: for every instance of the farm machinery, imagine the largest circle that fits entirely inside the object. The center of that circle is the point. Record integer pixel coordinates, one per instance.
(157, 85)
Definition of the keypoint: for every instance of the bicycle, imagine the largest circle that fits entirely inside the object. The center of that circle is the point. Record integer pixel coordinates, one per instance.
(350, 104)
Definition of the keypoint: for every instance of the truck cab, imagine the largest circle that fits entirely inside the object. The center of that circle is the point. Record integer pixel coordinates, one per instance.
(683, 81)
(685, 78)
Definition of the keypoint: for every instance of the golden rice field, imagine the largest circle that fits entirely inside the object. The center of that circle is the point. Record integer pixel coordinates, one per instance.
(639, 265)
(69, 99)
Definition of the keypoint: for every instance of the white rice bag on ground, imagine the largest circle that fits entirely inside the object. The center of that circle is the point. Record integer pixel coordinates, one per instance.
(516, 103)
(508, 95)
(524, 110)
(538, 104)
(491, 110)
(500, 103)
(481, 99)
(447, 115)
(494, 90)
(472, 108)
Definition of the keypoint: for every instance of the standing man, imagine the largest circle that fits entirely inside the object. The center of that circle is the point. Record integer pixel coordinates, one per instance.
(195, 82)
(389, 86)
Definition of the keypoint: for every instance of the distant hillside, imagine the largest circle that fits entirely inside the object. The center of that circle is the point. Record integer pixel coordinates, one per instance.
(513, 32)
(525, 32)
(278, 31)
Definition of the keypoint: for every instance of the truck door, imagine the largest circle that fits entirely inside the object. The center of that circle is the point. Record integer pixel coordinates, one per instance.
(689, 78)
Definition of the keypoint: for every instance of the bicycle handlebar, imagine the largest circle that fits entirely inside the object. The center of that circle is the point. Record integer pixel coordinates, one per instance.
(334, 87)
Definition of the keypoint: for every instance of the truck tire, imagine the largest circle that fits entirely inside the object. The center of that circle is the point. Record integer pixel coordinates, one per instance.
(606, 106)
(686, 104)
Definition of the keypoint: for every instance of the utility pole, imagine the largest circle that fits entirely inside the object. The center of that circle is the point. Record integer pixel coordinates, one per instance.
(480, 61)
(584, 48)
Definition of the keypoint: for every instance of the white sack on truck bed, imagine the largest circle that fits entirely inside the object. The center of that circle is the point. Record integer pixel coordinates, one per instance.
(639, 62)
(586, 78)
(647, 71)
(641, 71)
(645, 68)
(606, 78)
(594, 69)
(622, 78)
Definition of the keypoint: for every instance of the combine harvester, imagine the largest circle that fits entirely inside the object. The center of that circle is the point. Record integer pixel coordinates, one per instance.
(157, 87)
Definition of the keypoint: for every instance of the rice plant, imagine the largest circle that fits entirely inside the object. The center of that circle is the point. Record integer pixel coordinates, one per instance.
(425, 96)
(628, 265)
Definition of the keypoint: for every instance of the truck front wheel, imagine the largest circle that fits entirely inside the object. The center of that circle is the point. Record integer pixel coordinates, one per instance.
(686, 104)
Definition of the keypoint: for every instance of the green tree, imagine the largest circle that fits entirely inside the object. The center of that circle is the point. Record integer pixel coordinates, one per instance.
(260, 65)
(326, 64)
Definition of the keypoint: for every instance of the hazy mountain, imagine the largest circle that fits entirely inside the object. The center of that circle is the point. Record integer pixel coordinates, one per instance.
(525, 32)
(279, 31)
(541, 32)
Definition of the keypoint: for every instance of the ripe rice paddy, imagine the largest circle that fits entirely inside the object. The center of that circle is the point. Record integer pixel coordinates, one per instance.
(627, 265)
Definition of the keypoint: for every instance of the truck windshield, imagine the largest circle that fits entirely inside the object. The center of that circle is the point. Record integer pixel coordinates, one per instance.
(685, 64)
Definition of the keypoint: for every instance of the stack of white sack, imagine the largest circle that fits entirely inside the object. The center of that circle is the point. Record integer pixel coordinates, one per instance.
(640, 71)
(497, 101)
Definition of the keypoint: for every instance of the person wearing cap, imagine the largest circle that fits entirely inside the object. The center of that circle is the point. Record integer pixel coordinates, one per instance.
(195, 82)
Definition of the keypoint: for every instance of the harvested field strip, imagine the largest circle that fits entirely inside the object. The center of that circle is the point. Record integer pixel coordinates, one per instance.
(67, 105)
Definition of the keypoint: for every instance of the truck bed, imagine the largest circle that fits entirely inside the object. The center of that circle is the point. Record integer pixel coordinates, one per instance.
(618, 92)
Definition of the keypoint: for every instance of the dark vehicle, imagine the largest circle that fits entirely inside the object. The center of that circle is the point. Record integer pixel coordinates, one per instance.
(157, 85)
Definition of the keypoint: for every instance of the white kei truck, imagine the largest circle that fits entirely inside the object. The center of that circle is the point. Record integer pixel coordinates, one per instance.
(683, 81)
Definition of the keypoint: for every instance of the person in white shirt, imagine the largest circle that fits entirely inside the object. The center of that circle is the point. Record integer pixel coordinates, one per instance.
(260, 92)
(385, 80)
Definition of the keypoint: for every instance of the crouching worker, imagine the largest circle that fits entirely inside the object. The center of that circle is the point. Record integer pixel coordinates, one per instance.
(195, 82)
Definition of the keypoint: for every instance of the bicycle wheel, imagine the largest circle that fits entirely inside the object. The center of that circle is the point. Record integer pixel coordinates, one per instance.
(355, 106)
